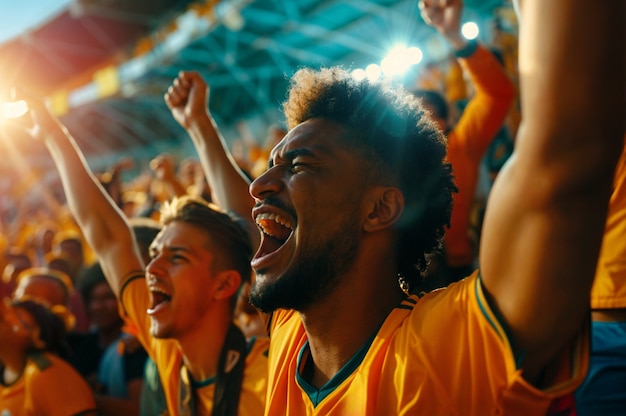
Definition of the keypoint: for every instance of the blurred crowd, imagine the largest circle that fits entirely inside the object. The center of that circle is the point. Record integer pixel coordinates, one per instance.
(472, 96)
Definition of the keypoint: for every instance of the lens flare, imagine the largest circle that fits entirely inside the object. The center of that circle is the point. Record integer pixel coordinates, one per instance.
(13, 109)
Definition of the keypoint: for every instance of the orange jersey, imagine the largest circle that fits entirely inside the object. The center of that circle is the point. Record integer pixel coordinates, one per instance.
(169, 359)
(609, 287)
(443, 354)
(48, 386)
(468, 141)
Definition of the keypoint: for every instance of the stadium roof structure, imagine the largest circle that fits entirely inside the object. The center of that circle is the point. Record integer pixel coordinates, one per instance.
(105, 64)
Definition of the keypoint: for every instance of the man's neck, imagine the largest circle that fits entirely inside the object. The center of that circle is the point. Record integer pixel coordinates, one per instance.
(340, 325)
(202, 348)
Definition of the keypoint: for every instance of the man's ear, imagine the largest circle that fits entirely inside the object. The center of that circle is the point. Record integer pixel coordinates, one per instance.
(229, 283)
(385, 208)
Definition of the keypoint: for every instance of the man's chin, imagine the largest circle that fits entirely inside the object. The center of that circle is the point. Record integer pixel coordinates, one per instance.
(158, 331)
(270, 299)
(263, 303)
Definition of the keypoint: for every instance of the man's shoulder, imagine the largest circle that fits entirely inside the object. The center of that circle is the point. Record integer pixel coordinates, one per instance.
(464, 287)
(47, 367)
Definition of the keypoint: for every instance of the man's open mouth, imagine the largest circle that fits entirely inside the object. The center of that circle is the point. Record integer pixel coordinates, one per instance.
(159, 298)
(276, 230)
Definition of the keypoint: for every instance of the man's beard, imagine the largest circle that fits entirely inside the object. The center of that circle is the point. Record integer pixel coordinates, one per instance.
(313, 276)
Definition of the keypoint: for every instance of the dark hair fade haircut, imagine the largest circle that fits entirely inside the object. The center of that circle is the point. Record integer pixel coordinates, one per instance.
(397, 138)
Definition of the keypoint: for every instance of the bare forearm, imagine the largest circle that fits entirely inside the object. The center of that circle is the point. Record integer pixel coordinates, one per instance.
(86, 198)
(100, 220)
(455, 40)
(229, 185)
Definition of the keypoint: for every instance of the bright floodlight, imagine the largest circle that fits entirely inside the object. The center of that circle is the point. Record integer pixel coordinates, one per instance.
(414, 55)
(13, 109)
(470, 30)
(399, 59)
(373, 72)
(359, 74)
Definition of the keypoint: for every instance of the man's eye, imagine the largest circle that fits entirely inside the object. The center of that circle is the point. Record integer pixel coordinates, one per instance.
(296, 166)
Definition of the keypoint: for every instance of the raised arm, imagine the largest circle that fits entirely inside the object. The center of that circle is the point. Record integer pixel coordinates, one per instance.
(494, 91)
(477, 127)
(103, 224)
(546, 213)
(187, 98)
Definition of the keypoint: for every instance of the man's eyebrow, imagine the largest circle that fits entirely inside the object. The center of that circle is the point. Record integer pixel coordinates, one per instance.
(290, 154)
(178, 248)
(301, 151)
(170, 249)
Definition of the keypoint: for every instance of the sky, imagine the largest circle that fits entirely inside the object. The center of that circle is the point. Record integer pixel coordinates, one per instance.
(18, 16)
